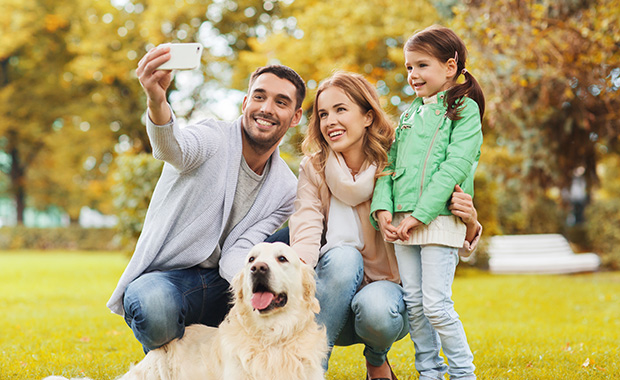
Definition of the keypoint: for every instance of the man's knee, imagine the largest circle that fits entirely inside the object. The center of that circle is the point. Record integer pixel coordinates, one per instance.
(154, 311)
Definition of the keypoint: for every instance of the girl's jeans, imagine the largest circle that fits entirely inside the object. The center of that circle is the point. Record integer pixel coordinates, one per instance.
(427, 273)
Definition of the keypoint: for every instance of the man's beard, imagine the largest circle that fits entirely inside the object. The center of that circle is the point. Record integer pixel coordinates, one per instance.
(261, 145)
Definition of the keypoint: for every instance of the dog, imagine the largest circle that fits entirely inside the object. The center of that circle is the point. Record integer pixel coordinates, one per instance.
(269, 333)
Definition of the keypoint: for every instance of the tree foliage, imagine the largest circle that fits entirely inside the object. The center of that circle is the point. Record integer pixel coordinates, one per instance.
(363, 37)
(69, 97)
(551, 74)
(70, 102)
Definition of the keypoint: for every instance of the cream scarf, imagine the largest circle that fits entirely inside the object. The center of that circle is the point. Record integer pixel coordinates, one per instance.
(344, 226)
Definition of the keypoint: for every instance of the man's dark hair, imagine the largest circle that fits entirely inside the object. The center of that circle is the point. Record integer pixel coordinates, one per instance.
(283, 72)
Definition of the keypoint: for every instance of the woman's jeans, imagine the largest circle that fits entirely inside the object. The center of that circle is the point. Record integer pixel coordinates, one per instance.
(375, 315)
(427, 273)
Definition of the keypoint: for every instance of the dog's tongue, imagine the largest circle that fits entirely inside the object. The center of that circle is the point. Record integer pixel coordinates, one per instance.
(261, 300)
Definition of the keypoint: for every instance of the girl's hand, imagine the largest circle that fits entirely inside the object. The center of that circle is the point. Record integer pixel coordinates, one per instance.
(461, 205)
(384, 218)
(406, 226)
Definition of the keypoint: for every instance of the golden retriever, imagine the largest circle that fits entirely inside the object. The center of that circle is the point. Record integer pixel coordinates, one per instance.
(270, 332)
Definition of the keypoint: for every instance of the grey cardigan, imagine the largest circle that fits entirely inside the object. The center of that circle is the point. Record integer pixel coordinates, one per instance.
(193, 198)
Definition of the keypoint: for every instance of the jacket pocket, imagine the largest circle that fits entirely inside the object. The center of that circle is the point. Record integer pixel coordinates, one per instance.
(399, 172)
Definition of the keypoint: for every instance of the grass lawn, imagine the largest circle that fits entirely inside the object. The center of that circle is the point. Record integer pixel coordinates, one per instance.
(54, 321)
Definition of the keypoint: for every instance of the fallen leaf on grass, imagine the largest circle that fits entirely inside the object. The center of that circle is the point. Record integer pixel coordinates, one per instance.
(599, 368)
(592, 363)
(567, 347)
(85, 339)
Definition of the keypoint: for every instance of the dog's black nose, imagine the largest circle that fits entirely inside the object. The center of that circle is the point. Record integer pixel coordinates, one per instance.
(259, 268)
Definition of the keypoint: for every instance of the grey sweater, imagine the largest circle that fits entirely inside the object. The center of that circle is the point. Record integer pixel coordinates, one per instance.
(193, 199)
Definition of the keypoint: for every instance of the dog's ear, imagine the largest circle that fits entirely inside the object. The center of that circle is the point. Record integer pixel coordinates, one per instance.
(308, 280)
(237, 286)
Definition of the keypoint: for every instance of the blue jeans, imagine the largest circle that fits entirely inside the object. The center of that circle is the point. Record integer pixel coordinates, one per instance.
(158, 305)
(339, 273)
(427, 273)
(377, 319)
(375, 315)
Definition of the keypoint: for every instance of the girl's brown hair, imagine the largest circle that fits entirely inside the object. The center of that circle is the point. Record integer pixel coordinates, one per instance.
(379, 135)
(443, 44)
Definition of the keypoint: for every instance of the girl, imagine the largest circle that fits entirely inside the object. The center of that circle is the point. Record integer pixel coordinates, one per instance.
(437, 146)
(357, 276)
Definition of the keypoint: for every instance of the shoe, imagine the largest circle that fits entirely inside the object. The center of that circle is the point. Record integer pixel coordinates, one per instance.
(391, 372)
(392, 375)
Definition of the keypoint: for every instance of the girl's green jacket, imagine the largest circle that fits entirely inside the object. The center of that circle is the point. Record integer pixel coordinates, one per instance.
(429, 156)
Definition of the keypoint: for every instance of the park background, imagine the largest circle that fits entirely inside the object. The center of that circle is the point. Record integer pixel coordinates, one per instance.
(76, 172)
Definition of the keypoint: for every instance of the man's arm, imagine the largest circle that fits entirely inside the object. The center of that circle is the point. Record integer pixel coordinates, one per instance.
(184, 149)
(234, 258)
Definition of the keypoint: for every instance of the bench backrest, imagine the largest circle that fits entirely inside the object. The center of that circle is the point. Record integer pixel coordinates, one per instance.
(542, 244)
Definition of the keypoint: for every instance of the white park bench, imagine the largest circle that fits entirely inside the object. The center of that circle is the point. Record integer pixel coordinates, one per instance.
(537, 254)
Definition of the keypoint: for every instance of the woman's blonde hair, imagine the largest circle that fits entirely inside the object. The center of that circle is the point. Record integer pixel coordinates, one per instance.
(379, 135)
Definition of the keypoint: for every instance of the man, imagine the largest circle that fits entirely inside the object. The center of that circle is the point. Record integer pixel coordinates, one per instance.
(223, 189)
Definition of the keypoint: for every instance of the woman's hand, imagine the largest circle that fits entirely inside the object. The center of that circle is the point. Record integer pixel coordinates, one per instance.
(462, 205)
(406, 226)
(384, 218)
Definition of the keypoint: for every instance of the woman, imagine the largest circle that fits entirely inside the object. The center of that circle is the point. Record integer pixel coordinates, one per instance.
(358, 285)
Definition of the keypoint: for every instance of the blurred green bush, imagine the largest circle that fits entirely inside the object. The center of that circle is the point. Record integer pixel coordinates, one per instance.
(69, 238)
(603, 230)
(133, 180)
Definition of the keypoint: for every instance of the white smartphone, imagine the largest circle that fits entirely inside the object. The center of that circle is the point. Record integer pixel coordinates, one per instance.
(183, 56)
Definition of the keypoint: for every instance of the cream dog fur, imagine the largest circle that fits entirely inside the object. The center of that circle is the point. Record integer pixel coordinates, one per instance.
(270, 332)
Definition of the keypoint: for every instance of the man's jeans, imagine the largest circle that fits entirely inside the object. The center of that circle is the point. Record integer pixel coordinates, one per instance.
(158, 305)
(427, 273)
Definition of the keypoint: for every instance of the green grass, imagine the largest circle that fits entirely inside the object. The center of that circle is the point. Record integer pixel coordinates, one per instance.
(54, 321)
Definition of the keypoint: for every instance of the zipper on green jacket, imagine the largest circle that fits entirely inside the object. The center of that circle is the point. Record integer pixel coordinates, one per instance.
(428, 153)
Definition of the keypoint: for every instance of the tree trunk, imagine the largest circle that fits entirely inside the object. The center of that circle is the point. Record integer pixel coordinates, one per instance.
(18, 174)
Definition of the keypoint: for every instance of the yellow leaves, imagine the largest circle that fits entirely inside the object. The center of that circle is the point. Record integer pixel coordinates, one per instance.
(588, 363)
(591, 364)
(344, 34)
(53, 22)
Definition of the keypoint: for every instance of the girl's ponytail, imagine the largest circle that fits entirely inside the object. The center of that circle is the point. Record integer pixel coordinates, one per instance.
(469, 88)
